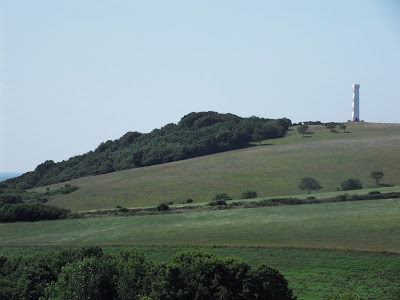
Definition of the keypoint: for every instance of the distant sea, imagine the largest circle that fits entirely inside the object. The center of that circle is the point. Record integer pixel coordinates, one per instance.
(8, 175)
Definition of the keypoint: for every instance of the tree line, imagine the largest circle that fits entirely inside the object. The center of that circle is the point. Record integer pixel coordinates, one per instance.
(89, 273)
(196, 134)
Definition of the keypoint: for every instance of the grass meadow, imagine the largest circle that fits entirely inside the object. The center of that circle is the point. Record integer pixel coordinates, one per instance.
(272, 169)
(371, 225)
(322, 249)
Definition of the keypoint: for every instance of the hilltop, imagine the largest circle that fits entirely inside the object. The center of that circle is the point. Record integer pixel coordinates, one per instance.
(196, 134)
(273, 168)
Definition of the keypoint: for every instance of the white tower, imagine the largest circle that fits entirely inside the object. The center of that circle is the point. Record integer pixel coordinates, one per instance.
(356, 103)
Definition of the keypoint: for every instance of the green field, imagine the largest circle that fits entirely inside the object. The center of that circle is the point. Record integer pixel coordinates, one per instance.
(273, 169)
(361, 225)
(309, 244)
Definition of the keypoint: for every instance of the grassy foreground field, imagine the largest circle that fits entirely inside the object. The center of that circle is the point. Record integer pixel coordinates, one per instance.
(273, 169)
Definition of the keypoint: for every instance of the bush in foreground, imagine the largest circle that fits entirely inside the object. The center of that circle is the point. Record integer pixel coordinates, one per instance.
(88, 273)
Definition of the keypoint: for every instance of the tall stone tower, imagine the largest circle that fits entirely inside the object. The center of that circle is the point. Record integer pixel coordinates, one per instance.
(356, 103)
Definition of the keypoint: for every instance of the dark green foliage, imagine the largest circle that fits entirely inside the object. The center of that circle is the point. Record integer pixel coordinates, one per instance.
(222, 196)
(189, 200)
(31, 212)
(217, 203)
(91, 278)
(331, 125)
(266, 131)
(269, 283)
(196, 134)
(162, 207)
(312, 123)
(201, 275)
(248, 195)
(377, 175)
(342, 126)
(12, 195)
(309, 184)
(350, 184)
(374, 193)
(10, 199)
(341, 197)
(302, 129)
(68, 189)
(30, 277)
(286, 201)
(87, 273)
(369, 196)
(134, 275)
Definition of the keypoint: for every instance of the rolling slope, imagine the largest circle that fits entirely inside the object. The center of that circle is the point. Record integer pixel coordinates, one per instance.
(272, 169)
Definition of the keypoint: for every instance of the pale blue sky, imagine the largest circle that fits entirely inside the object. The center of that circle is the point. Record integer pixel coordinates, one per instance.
(76, 73)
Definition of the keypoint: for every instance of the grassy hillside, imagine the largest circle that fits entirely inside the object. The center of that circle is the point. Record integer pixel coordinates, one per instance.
(196, 134)
(362, 225)
(272, 169)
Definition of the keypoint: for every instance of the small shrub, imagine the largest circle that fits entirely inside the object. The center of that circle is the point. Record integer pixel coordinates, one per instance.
(189, 200)
(217, 203)
(341, 197)
(249, 195)
(68, 189)
(350, 184)
(392, 195)
(42, 200)
(162, 207)
(374, 193)
(222, 196)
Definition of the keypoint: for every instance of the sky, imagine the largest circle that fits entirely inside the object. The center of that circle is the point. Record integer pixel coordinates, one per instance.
(77, 73)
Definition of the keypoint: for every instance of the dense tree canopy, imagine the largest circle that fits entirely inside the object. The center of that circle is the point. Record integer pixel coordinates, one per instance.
(196, 134)
(88, 273)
